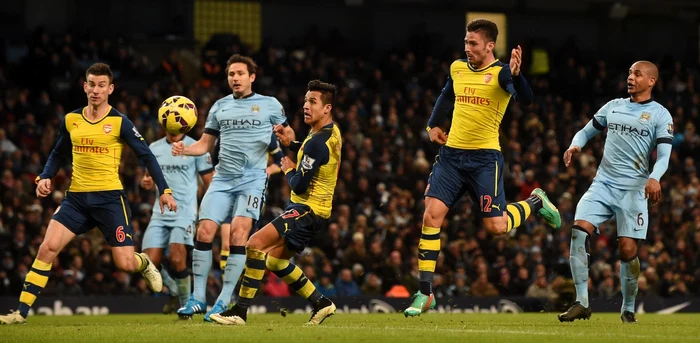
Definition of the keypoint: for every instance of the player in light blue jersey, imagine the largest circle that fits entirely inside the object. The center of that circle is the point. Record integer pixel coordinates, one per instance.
(276, 154)
(170, 230)
(623, 184)
(243, 122)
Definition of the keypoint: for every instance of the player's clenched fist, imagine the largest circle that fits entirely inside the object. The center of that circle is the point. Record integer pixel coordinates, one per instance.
(287, 164)
(569, 153)
(437, 135)
(167, 200)
(43, 188)
(284, 134)
(178, 148)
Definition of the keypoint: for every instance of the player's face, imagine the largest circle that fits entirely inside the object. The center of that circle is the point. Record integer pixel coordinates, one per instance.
(240, 81)
(174, 138)
(639, 80)
(314, 109)
(98, 88)
(477, 47)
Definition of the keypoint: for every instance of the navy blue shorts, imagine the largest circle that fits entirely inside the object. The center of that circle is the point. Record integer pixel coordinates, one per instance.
(297, 225)
(479, 172)
(108, 210)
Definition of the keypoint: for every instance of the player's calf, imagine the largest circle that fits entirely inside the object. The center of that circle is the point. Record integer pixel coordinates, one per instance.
(201, 260)
(629, 275)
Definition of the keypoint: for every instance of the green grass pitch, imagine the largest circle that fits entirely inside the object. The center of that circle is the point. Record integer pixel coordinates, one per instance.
(358, 328)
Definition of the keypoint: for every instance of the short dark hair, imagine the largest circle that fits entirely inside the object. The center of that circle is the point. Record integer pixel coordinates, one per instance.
(327, 91)
(100, 69)
(252, 67)
(487, 27)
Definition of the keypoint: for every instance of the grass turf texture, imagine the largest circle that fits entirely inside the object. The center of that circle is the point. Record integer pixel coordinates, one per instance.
(353, 328)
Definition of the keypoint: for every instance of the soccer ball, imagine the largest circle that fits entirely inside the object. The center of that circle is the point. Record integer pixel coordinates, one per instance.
(177, 114)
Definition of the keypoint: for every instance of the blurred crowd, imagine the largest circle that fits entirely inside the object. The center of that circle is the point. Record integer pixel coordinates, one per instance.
(382, 108)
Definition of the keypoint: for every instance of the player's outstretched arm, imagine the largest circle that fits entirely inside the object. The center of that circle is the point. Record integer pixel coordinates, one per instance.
(198, 148)
(581, 138)
(58, 156)
(315, 155)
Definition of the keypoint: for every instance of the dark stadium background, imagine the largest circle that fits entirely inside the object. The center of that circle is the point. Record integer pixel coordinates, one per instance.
(389, 58)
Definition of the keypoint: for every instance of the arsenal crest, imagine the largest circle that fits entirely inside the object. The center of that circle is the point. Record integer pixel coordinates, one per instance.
(107, 128)
(488, 77)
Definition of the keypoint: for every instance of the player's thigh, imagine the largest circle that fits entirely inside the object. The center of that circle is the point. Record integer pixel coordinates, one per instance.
(485, 182)
(446, 181)
(594, 206)
(181, 232)
(74, 214)
(217, 201)
(56, 238)
(247, 203)
(111, 211)
(266, 239)
(157, 235)
(297, 225)
(281, 253)
(632, 215)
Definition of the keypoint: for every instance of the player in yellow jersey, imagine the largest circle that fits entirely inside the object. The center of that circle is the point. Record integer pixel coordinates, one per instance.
(94, 136)
(477, 94)
(312, 180)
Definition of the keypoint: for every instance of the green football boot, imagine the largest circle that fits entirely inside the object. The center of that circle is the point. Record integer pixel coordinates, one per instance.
(548, 212)
(420, 304)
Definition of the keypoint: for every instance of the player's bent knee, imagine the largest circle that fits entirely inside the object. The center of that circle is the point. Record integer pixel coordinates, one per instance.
(435, 212)
(206, 231)
(627, 249)
(584, 226)
(48, 251)
(239, 235)
(275, 264)
(432, 218)
(178, 259)
(128, 265)
(255, 243)
(496, 226)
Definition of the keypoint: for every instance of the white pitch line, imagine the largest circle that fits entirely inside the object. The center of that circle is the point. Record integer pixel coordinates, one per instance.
(499, 331)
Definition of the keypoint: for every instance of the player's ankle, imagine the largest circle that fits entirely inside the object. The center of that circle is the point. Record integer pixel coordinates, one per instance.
(426, 287)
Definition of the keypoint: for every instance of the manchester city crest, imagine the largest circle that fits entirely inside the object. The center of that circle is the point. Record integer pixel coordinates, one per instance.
(645, 117)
